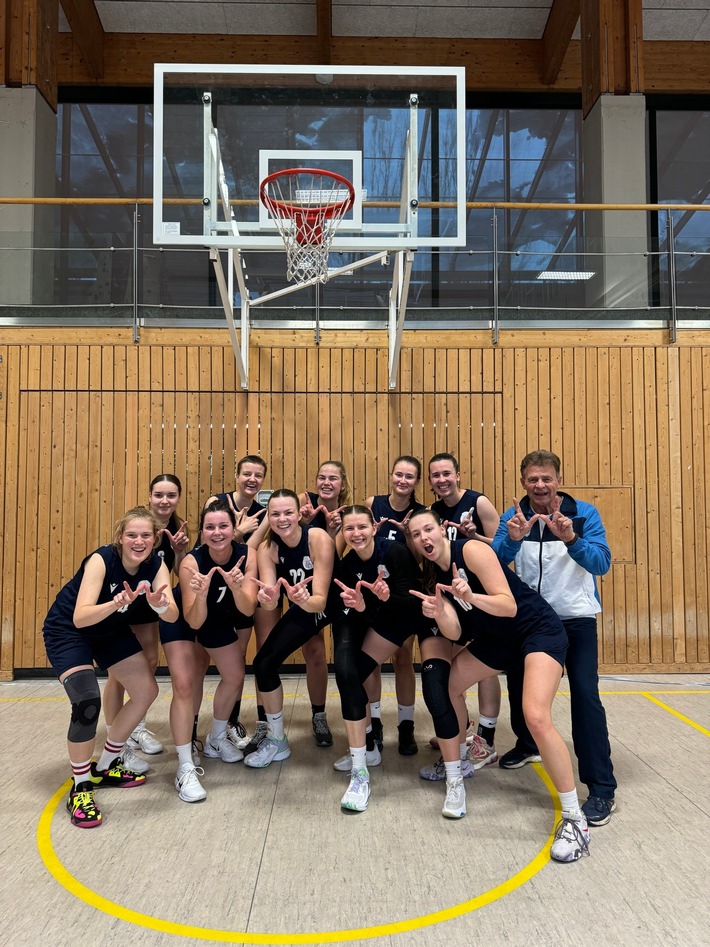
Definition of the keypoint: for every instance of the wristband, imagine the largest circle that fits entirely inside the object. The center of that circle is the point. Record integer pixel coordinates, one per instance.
(159, 609)
(572, 541)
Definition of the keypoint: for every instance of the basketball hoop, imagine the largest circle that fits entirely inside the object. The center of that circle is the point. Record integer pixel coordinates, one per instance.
(307, 205)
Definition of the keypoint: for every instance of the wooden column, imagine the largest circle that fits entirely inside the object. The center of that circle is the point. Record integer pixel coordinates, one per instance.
(612, 49)
(28, 56)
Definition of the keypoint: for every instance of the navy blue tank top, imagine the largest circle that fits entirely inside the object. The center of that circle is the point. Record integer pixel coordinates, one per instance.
(382, 509)
(454, 514)
(221, 607)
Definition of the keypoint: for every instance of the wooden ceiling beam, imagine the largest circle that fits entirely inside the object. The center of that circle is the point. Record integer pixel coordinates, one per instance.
(559, 28)
(612, 49)
(491, 65)
(88, 34)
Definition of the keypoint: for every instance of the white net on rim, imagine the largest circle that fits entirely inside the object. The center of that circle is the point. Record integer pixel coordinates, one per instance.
(307, 206)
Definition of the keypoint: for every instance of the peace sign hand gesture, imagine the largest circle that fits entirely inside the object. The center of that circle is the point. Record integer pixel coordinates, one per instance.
(157, 599)
(298, 593)
(379, 587)
(561, 525)
(308, 512)
(200, 583)
(235, 577)
(352, 598)
(518, 525)
(178, 540)
(123, 599)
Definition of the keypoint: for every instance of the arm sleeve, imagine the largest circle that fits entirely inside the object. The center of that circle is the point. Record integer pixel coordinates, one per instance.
(591, 551)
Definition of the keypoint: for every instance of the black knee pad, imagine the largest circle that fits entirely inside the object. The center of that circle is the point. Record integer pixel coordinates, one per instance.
(83, 691)
(435, 689)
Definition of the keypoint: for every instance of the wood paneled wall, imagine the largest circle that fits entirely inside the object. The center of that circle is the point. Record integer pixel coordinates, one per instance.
(85, 426)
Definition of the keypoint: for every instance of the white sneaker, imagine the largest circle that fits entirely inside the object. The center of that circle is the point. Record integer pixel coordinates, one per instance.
(480, 753)
(223, 749)
(133, 762)
(345, 763)
(455, 803)
(146, 741)
(571, 839)
(188, 785)
(358, 792)
(436, 772)
(269, 751)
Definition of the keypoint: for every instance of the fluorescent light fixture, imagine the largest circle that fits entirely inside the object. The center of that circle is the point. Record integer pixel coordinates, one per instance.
(565, 274)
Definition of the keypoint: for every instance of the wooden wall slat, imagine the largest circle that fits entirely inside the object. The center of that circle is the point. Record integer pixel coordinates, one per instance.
(85, 427)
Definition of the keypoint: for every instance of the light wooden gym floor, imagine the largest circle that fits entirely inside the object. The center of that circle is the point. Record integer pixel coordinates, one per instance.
(269, 858)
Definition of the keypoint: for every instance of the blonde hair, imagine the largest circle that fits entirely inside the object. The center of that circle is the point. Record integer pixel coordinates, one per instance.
(137, 513)
(346, 491)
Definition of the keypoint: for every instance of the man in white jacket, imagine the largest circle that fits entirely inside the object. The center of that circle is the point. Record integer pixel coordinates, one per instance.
(559, 546)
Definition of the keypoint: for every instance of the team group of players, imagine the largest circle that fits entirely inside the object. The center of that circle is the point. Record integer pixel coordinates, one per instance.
(378, 574)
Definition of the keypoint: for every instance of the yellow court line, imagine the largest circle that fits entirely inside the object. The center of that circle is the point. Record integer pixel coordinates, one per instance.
(691, 723)
(55, 867)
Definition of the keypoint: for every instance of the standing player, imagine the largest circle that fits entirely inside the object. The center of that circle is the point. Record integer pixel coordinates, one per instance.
(89, 622)
(376, 616)
(391, 514)
(165, 491)
(218, 592)
(298, 561)
(467, 514)
(476, 602)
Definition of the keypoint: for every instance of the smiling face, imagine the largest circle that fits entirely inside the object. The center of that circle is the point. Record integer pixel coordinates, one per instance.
(404, 478)
(541, 485)
(164, 500)
(329, 483)
(136, 541)
(444, 479)
(250, 479)
(217, 531)
(283, 516)
(428, 536)
(358, 531)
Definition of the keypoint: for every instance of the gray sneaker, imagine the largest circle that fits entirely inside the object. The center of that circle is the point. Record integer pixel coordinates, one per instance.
(436, 772)
(269, 751)
(571, 840)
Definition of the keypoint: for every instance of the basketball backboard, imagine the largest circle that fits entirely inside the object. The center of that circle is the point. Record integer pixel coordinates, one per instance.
(398, 133)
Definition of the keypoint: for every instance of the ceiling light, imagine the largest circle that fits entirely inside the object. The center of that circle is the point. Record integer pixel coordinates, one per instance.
(565, 274)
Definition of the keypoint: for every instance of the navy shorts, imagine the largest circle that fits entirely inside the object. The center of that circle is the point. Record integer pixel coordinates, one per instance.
(547, 636)
(209, 636)
(72, 647)
(142, 613)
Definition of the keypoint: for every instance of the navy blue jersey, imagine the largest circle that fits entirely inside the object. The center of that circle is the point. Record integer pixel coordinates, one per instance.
(533, 610)
(165, 551)
(294, 564)
(252, 511)
(382, 509)
(221, 607)
(401, 574)
(319, 519)
(61, 614)
(465, 508)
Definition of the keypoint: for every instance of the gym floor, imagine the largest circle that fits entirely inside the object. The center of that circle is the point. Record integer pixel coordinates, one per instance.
(270, 858)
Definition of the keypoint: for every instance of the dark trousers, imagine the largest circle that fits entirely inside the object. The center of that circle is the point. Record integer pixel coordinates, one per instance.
(589, 730)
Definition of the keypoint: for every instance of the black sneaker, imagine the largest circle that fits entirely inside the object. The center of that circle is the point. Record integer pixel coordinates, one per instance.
(407, 743)
(260, 734)
(377, 734)
(597, 811)
(115, 775)
(321, 730)
(515, 759)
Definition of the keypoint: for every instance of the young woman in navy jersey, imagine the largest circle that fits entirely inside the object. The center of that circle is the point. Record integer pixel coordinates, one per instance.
(165, 491)
(250, 528)
(90, 621)
(497, 619)
(467, 514)
(375, 617)
(218, 593)
(391, 514)
(296, 561)
(333, 492)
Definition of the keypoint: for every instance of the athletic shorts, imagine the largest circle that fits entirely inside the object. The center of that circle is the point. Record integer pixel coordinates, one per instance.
(547, 636)
(72, 647)
(209, 636)
(142, 613)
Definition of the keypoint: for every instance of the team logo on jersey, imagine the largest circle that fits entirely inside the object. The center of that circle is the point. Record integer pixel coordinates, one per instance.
(281, 558)
(359, 575)
(466, 606)
(382, 572)
(161, 553)
(113, 586)
(308, 563)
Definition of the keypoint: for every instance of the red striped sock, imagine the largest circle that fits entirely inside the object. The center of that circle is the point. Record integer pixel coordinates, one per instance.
(80, 772)
(110, 752)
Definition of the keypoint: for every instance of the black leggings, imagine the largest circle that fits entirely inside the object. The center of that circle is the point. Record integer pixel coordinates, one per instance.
(352, 667)
(287, 636)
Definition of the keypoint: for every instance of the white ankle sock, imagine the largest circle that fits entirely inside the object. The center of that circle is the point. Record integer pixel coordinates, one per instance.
(184, 752)
(570, 802)
(276, 725)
